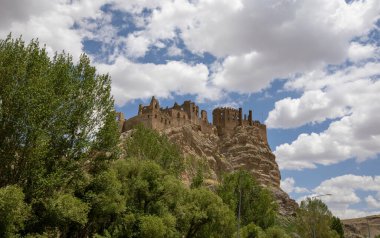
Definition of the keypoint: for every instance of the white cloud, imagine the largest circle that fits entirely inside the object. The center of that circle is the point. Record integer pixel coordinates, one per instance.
(288, 186)
(132, 80)
(347, 96)
(256, 48)
(136, 45)
(372, 202)
(255, 41)
(326, 96)
(313, 106)
(344, 194)
(50, 21)
(174, 51)
(358, 52)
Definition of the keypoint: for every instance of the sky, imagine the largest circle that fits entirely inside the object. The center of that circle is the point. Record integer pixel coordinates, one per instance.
(308, 69)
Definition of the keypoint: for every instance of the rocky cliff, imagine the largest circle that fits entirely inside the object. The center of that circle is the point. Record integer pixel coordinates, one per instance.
(242, 149)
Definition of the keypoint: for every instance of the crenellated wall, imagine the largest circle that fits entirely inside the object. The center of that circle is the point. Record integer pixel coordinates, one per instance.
(225, 119)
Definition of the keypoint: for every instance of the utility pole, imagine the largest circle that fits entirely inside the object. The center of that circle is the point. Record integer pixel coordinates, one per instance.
(369, 230)
(239, 210)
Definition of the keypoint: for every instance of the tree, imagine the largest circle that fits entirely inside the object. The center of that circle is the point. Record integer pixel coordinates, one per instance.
(147, 144)
(337, 225)
(257, 204)
(203, 214)
(276, 232)
(251, 231)
(55, 115)
(13, 210)
(314, 220)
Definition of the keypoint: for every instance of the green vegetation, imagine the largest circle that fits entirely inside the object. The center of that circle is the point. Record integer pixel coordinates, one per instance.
(315, 220)
(62, 173)
(337, 225)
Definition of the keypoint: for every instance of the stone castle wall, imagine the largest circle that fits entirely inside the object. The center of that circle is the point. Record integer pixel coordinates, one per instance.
(225, 119)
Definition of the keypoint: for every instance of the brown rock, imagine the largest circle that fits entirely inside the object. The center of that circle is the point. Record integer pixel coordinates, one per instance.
(229, 143)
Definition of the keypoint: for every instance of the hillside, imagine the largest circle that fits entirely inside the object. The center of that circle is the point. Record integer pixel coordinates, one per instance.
(359, 227)
(231, 142)
(243, 149)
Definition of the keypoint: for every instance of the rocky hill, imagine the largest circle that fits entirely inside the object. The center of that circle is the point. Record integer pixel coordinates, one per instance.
(231, 142)
(242, 149)
(360, 227)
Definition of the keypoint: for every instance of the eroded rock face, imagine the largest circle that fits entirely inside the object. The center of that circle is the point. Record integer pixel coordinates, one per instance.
(242, 149)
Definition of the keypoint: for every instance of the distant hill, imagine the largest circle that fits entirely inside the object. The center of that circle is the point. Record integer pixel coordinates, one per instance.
(359, 227)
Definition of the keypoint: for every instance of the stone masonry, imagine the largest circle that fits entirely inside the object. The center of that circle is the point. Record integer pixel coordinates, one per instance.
(225, 120)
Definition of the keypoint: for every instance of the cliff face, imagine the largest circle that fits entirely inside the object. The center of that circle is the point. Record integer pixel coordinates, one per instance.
(242, 149)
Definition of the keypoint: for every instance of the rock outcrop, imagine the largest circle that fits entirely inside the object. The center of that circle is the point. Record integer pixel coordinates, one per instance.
(231, 142)
(242, 149)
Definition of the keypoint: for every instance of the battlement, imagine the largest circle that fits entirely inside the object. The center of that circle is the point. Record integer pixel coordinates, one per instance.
(224, 121)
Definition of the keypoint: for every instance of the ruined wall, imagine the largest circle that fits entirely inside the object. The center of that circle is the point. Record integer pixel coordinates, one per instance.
(225, 119)
(152, 116)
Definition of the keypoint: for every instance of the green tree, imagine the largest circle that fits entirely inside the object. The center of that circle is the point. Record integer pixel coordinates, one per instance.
(337, 225)
(52, 114)
(257, 204)
(147, 144)
(251, 231)
(276, 232)
(13, 211)
(136, 195)
(56, 119)
(314, 219)
(203, 214)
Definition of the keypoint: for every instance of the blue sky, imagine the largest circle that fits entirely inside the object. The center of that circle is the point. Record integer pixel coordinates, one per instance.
(308, 69)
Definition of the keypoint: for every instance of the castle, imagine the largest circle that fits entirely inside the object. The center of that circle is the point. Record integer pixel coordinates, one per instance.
(224, 119)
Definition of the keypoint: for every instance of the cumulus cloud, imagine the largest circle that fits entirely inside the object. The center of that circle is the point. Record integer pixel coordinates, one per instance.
(358, 51)
(288, 186)
(50, 21)
(326, 96)
(346, 96)
(372, 202)
(344, 192)
(132, 80)
(256, 48)
(253, 49)
(313, 106)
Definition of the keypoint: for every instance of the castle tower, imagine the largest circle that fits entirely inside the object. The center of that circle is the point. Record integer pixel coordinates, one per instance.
(191, 109)
(250, 117)
(154, 104)
(240, 116)
(140, 109)
(204, 116)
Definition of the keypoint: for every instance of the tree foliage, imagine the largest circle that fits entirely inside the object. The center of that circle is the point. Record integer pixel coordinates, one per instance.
(337, 226)
(147, 144)
(61, 173)
(314, 219)
(257, 204)
(13, 210)
(54, 116)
